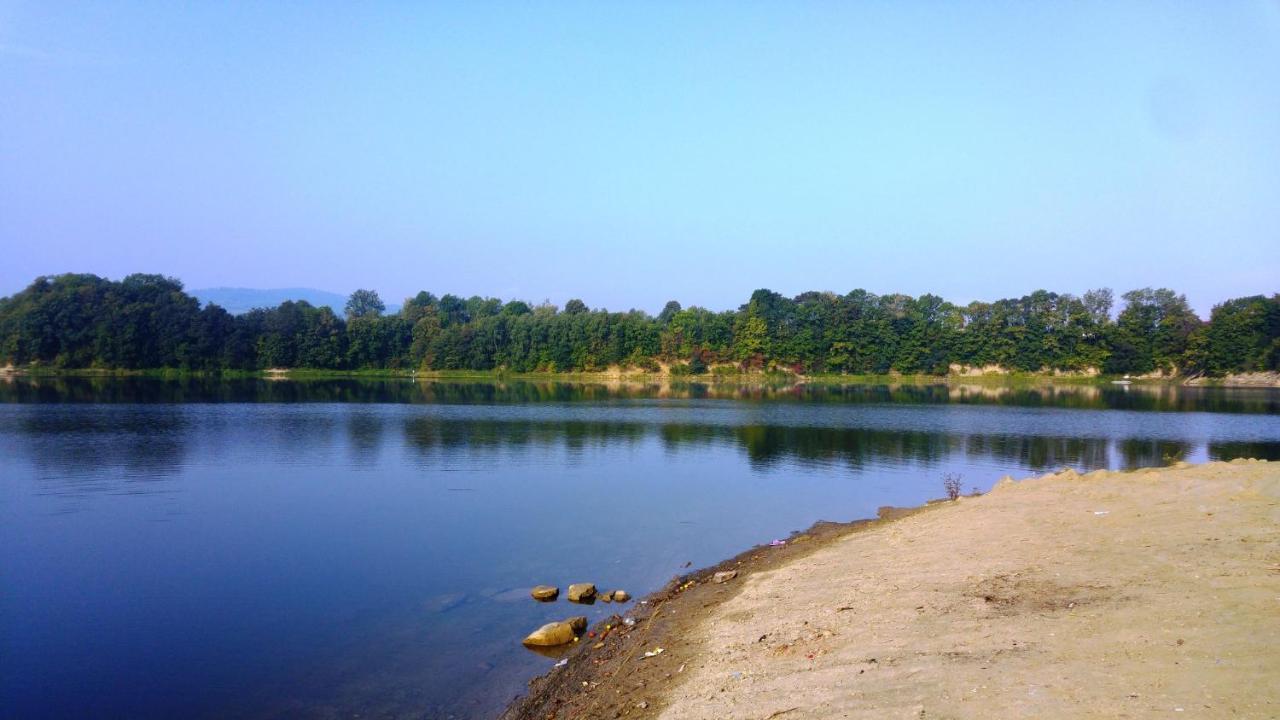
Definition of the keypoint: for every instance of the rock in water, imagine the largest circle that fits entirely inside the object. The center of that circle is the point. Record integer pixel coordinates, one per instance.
(556, 633)
(725, 576)
(621, 596)
(582, 593)
(545, 593)
(444, 603)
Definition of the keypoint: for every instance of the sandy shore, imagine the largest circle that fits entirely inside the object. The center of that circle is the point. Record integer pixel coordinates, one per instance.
(1147, 594)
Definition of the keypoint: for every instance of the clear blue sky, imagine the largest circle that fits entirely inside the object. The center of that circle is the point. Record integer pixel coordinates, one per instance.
(632, 153)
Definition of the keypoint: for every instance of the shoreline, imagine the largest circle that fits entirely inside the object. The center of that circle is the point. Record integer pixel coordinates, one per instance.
(1244, 380)
(557, 693)
(897, 616)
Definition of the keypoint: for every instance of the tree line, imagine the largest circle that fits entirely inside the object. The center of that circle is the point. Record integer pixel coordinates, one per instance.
(149, 322)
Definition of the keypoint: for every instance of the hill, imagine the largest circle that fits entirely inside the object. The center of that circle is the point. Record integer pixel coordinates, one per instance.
(238, 301)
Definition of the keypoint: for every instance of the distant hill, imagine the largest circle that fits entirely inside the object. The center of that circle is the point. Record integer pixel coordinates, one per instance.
(241, 300)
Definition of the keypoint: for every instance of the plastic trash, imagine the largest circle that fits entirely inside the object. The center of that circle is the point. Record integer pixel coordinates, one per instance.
(562, 663)
(776, 543)
(654, 652)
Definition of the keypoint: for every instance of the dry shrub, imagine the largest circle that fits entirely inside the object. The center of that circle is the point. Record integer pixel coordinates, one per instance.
(951, 483)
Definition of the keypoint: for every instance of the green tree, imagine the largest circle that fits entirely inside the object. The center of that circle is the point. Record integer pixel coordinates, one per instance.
(364, 304)
(1152, 331)
(148, 321)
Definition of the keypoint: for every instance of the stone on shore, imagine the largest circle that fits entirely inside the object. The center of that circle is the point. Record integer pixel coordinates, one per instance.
(582, 593)
(557, 633)
(551, 634)
(545, 593)
(724, 576)
(621, 596)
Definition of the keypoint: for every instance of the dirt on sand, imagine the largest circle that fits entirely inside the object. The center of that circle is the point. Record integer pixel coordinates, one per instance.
(1154, 593)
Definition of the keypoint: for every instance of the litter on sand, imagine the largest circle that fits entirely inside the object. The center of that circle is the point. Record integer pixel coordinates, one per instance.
(653, 653)
(776, 543)
(1100, 512)
(562, 663)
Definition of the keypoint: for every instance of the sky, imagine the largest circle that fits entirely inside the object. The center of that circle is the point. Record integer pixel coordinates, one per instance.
(632, 153)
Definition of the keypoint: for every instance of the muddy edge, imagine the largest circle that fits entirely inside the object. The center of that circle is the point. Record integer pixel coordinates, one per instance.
(607, 675)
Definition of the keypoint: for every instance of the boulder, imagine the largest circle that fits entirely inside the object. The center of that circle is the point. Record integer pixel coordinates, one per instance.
(545, 593)
(621, 596)
(556, 633)
(582, 593)
(725, 576)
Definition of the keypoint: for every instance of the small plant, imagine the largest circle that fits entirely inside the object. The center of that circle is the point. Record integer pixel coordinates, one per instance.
(951, 483)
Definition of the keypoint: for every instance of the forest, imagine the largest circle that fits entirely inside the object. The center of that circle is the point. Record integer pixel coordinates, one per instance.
(146, 322)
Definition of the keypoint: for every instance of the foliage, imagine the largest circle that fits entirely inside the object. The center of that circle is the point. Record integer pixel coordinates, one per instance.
(364, 304)
(149, 322)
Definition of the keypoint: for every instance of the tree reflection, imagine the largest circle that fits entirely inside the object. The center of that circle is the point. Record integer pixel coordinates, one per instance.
(117, 449)
(1138, 452)
(136, 389)
(118, 436)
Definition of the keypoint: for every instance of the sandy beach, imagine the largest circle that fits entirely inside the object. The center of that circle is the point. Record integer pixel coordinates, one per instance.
(1154, 593)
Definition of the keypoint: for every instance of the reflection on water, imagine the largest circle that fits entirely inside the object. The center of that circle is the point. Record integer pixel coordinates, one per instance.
(321, 549)
(87, 452)
(1169, 398)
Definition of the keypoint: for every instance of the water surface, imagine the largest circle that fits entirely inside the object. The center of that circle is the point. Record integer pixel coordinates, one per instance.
(262, 549)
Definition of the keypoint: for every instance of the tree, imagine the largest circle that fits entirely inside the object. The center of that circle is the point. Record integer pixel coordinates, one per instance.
(516, 307)
(453, 311)
(418, 305)
(364, 304)
(148, 321)
(1240, 336)
(1098, 304)
(1154, 328)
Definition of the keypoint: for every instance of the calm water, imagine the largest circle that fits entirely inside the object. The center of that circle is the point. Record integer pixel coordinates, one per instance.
(323, 549)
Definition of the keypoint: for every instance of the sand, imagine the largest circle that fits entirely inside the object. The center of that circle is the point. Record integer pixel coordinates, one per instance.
(1147, 594)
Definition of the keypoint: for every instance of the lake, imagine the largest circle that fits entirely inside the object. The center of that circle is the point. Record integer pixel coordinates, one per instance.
(322, 549)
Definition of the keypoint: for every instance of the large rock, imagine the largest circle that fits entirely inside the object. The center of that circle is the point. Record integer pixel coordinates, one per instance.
(578, 623)
(621, 596)
(556, 633)
(582, 593)
(545, 593)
